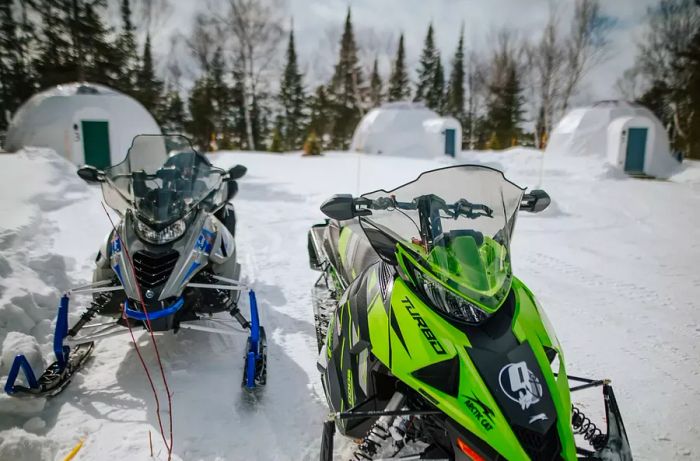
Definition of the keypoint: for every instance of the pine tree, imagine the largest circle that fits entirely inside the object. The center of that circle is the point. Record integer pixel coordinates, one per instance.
(99, 59)
(344, 90)
(276, 142)
(75, 43)
(127, 51)
(505, 109)
(375, 86)
(16, 79)
(428, 65)
(220, 93)
(148, 87)
(258, 118)
(238, 123)
(172, 116)
(320, 112)
(399, 88)
(454, 99)
(687, 96)
(55, 62)
(291, 97)
(201, 126)
(435, 97)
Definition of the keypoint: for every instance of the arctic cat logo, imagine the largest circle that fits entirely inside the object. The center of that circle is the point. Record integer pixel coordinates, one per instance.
(427, 332)
(520, 384)
(482, 413)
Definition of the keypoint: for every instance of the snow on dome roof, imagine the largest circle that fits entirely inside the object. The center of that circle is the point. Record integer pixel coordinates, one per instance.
(81, 88)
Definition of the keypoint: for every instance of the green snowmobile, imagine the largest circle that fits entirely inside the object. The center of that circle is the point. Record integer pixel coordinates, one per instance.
(429, 347)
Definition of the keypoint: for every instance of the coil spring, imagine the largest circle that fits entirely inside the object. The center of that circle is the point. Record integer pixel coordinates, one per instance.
(371, 443)
(584, 426)
(88, 315)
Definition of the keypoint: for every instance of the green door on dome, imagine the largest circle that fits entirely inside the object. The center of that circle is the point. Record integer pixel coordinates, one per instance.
(450, 135)
(96, 143)
(636, 148)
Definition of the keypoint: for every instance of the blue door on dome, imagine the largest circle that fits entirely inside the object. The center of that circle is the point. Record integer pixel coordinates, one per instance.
(450, 142)
(636, 149)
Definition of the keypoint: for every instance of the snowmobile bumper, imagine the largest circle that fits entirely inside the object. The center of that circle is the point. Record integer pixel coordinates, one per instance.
(616, 446)
(58, 374)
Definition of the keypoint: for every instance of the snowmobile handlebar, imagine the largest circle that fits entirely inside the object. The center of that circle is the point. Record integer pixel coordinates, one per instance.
(461, 207)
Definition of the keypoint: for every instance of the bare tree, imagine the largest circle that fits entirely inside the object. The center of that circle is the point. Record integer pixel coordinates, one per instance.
(671, 26)
(476, 94)
(372, 43)
(545, 62)
(256, 29)
(629, 86)
(586, 45)
(204, 39)
(151, 14)
(670, 29)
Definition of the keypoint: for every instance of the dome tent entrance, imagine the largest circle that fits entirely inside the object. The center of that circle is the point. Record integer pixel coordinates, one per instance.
(407, 129)
(628, 136)
(84, 122)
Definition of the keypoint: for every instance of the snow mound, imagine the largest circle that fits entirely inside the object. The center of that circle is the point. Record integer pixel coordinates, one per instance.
(18, 445)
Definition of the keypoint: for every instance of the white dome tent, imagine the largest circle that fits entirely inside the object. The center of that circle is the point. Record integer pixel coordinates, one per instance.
(84, 122)
(407, 129)
(626, 135)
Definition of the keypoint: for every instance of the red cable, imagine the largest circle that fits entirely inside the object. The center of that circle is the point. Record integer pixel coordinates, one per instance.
(155, 347)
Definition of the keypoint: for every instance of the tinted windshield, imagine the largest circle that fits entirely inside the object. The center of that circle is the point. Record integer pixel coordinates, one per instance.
(162, 178)
(455, 223)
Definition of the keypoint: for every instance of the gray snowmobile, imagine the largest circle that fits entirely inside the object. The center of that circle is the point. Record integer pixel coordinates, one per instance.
(169, 263)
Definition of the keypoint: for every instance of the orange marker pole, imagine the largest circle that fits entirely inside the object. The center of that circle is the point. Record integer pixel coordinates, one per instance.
(74, 451)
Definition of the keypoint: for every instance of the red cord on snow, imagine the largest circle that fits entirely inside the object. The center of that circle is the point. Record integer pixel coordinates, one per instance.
(169, 446)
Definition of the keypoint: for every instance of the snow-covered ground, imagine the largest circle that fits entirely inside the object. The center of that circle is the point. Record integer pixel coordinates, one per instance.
(614, 262)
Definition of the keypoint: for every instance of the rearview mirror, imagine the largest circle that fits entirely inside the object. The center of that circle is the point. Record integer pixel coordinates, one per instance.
(340, 207)
(237, 172)
(90, 174)
(535, 201)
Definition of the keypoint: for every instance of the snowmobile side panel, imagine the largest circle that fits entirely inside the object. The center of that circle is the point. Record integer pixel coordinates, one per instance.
(413, 341)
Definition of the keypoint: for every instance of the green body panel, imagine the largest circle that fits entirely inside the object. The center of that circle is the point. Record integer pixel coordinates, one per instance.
(345, 236)
(431, 339)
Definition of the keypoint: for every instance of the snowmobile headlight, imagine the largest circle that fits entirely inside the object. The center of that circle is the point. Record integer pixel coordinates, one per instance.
(450, 303)
(168, 234)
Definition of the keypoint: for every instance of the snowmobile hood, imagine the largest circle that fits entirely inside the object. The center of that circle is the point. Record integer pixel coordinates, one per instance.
(494, 380)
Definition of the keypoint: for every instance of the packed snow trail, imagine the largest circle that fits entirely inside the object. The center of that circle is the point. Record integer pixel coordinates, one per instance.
(613, 261)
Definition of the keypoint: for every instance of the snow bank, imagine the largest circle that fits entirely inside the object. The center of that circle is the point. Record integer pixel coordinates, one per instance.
(19, 445)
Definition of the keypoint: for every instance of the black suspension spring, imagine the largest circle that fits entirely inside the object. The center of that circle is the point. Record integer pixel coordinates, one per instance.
(584, 426)
(371, 443)
(88, 315)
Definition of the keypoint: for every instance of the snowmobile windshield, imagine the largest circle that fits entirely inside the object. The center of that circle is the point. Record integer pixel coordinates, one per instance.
(450, 229)
(162, 179)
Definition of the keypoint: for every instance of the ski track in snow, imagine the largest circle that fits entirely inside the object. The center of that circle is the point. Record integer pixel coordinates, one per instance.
(613, 262)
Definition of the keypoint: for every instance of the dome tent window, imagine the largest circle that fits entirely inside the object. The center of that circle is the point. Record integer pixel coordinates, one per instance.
(84, 122)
